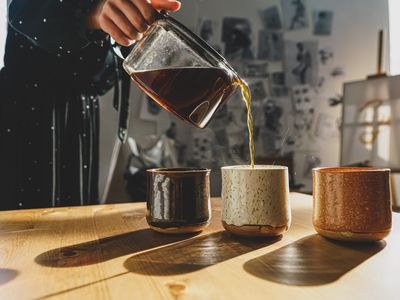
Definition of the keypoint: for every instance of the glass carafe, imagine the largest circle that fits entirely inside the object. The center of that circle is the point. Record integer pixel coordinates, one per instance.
(180, 71)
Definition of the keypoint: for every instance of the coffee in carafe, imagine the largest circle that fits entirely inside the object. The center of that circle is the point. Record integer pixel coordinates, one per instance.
(191, 93)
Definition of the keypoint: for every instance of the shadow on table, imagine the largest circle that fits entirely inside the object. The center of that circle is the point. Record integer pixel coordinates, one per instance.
(193, 255)
(104, 249)
(7, 275)
(312, 260)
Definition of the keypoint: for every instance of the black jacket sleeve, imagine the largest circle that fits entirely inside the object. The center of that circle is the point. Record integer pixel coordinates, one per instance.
(53, 25)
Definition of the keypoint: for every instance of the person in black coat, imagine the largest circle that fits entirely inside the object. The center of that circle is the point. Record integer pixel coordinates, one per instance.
(58, 60)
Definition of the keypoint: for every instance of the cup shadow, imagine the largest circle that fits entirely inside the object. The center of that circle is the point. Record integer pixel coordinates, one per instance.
(192, 255)
(104, 249)
(311, 261)
(7, 275)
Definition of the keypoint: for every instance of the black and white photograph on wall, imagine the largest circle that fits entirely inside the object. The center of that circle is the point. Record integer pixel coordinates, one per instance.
(303, 107)
(295, 14)
(325, 56)
(322, 20)
(279, 91)
(270, 18)
(258, 123)
(278, 78)
(236, 34)
(277, 85)
(258, 92)
(202, 146)
(271, 142)
(172, 133)
(270, 45)
(238, 144)
(302, 98)
(301, 62)
(301, 128)
(256, 69)
(221, 137)
(208, 31)
(272, 115)
(271, 132)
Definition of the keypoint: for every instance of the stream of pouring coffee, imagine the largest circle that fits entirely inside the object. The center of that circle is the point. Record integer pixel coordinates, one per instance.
(247, 100)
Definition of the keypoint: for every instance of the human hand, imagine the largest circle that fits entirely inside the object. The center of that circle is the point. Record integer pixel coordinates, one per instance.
(126, 20)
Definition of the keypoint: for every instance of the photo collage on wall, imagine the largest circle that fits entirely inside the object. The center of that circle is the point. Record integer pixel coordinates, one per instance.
(287, 78)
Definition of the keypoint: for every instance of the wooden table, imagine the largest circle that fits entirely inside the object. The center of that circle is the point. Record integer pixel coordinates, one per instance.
(107, 252)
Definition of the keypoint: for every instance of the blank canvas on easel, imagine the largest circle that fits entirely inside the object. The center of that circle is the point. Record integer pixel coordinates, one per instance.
(371, 122)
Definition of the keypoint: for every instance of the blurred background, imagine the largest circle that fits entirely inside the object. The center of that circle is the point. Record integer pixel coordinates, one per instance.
(302, 59)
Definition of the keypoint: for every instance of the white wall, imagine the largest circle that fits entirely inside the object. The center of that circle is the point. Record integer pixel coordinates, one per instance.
(353, 39)
(394, 9)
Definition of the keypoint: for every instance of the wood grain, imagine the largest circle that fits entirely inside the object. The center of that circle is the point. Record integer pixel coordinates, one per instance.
(108, 252)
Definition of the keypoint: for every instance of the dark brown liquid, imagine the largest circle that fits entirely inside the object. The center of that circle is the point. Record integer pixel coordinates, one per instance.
(193, 94)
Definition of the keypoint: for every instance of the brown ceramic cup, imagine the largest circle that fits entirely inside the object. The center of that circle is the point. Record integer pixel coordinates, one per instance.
(178, 199)
(352, 204)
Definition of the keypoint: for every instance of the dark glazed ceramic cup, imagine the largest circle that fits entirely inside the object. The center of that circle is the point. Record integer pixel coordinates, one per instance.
(178, 199)
(352, 204)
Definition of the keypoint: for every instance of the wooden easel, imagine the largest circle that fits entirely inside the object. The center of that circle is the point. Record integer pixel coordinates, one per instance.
(379, 72)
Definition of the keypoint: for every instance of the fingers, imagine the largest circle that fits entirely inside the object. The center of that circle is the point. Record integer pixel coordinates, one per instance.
(113, 30)
(119, 18)
(170, 5)
(135, 15)
(146, 10)
(126, 20)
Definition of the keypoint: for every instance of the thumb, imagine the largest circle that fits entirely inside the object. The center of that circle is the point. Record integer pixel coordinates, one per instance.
(170, 5)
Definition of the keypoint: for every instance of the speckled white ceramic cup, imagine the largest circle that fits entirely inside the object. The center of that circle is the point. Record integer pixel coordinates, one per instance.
(255, 202)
